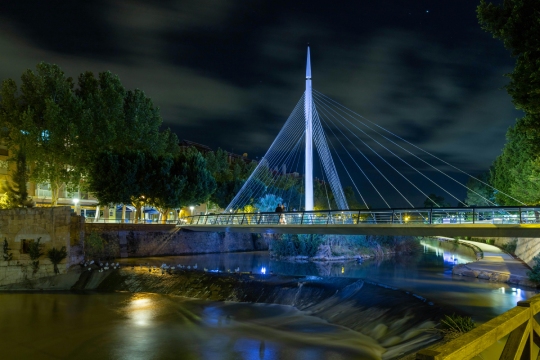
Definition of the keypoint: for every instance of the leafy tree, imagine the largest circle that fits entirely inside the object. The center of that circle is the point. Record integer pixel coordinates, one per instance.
(515, 23)
(42, 119)
(113, 177)
(478, 193)
(167, 185)
(63, 129)
(16, 192)
(350, 196)
(435, 201)
(230, 176)
(200, 183)
(268, 203)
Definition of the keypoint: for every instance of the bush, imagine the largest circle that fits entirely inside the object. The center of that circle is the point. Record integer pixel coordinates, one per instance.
(6, 255)
(534, 274)
(96, 247)
(56, 257)
(455, 325)
(510, 247)
(297, 245)
(34, 250)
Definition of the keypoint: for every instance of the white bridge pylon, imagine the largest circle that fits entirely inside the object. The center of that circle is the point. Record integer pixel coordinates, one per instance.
(378, 162)
(283, 160)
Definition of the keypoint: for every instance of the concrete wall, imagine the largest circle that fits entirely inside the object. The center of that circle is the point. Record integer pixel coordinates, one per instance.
(51, 225)
(138, 240)
(527, 249)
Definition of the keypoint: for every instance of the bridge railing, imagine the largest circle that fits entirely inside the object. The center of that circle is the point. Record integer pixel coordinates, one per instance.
(511, 335)
(471, 215)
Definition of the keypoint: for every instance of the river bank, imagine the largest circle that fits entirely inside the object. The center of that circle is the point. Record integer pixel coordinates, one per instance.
(495, 265)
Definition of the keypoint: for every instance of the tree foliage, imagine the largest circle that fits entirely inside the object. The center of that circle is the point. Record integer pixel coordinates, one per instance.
(478, 193)
(16, 191)
(515, 171)
(64, 127)
(434, 200)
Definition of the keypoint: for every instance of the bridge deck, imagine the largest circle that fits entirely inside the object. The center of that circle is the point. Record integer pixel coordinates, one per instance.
(449, 230)
(451, 222)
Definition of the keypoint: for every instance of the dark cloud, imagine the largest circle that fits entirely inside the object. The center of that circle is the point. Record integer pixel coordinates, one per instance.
(228, 73)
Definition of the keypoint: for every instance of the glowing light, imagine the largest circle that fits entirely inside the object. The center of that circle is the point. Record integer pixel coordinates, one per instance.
(343, 270)
(263, 270)
(141, 311)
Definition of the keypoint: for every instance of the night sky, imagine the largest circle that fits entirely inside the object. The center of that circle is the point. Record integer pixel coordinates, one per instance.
(228, 73)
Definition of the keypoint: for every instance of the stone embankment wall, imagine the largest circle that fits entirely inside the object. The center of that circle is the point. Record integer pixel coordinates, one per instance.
(527, 249)
(20, 226)
(139, 240)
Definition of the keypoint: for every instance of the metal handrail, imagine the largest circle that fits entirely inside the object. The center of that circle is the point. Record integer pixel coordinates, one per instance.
(91, 220)
(471, 215)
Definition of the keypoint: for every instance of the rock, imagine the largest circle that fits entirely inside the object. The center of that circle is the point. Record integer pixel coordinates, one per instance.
(471, 273)
(484, 275)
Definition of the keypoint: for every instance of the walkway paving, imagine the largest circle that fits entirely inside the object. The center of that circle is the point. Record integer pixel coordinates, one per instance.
(495, 266)
(497, 260)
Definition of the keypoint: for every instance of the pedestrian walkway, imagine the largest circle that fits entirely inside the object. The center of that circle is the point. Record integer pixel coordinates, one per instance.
(496, 265)
(497, 260)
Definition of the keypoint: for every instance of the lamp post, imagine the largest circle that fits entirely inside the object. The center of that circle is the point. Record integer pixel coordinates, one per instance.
(191, 208)
(76, 207)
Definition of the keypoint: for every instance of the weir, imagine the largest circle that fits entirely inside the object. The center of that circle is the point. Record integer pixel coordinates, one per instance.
(390, 321)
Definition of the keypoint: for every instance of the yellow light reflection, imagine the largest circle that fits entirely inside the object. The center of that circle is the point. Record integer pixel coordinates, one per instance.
(140, 310)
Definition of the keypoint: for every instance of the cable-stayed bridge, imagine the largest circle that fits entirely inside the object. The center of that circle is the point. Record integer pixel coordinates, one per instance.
(378, 165)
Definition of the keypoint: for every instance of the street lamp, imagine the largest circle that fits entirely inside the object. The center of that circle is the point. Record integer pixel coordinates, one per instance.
(191, 208)
(76, 202)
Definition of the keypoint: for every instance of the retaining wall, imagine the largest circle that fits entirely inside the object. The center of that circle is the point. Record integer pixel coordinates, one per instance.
(17, 226)
(139, 240)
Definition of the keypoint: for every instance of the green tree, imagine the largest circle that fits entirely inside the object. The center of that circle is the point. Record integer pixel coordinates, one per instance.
(514, 172)
(200, 183)
(478, 193)
(167, 185)
(435, 201)
(41, 118)
(16, 192)
(113, 177)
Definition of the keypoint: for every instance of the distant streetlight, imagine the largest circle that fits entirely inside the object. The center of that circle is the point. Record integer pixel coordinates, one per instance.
(191, 208)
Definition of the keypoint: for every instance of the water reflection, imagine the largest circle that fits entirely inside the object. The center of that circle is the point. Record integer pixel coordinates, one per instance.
(427, 273)
(152, 326)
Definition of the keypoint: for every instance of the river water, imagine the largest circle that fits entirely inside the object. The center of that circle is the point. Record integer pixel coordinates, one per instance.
(153, 326)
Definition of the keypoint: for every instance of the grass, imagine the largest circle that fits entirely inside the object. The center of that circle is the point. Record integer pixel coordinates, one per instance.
(456, 325)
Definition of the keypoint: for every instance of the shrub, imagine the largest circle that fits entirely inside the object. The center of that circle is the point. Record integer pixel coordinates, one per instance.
(98, 247)
(7, 255)
(455, 325)
(56, 256)
(93, 245)
(34, 250)
(297, 245)
(510, 247)
(534, 274)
